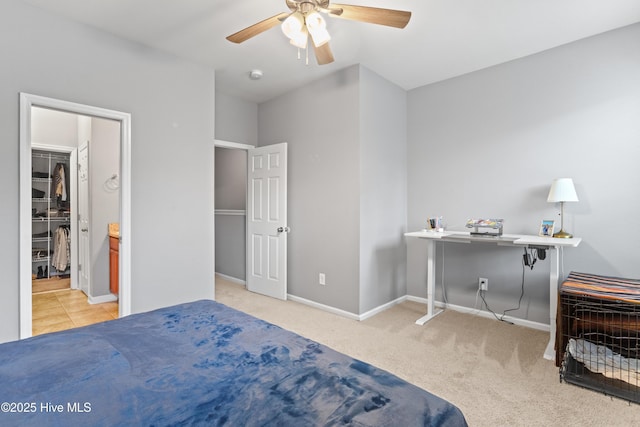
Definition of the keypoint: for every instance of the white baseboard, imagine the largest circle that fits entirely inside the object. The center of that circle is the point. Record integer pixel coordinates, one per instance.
(344, 313)
(231, 279)
(381, 308)
(102, 299)
(483, 313)
(323, 307)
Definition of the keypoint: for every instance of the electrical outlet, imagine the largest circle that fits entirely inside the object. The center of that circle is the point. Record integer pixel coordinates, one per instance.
(483, 284)
(321, 279)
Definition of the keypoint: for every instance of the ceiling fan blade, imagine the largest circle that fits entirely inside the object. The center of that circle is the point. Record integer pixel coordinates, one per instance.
(331, 11)
(256, 29)
(323, 54)
(373, 15)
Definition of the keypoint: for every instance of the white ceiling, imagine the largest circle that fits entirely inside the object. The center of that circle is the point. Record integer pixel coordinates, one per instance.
(445, 38)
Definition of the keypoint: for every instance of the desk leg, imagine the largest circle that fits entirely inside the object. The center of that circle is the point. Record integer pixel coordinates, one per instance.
(554, 258)
(431, 283)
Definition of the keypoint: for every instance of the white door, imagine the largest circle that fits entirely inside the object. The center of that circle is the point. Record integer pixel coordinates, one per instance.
(267, 221)
(83, 218)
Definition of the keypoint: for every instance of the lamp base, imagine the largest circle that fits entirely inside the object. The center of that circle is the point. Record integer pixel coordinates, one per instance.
(563, 235)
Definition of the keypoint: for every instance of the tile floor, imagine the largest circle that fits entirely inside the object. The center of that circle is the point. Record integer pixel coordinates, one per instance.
(60, 310)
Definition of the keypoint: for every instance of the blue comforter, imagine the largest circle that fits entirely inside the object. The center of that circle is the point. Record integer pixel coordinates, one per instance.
(201, 363)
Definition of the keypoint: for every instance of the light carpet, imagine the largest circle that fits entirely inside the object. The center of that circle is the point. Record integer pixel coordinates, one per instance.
(493, 371)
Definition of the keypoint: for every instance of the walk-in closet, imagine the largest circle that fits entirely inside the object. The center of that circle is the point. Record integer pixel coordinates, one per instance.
(51, 220)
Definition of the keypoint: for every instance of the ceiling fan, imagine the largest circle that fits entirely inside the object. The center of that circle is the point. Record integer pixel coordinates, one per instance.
(304, 21)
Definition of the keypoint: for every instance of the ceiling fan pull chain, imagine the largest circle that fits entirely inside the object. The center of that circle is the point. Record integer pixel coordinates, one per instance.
(306, 54)
(298, 54)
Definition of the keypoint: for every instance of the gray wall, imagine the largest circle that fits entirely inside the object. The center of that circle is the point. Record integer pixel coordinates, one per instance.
(347, 187)
(53, 127)
(236, 119)
(231, 246)
(104, 162)
(172, 106)
(320, 122)
(231, 179)
(383, 190)
(488, 144)
(231, 193)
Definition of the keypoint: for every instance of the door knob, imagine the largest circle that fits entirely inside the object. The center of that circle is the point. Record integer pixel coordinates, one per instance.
(283, 229)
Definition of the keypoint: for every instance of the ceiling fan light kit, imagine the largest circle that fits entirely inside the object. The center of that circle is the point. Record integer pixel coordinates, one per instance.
(300, 40)
(304, 20)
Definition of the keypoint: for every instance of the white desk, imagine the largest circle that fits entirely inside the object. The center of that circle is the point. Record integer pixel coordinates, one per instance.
(521, 240)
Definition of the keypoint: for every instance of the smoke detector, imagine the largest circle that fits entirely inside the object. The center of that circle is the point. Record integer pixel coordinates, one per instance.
(255, 74)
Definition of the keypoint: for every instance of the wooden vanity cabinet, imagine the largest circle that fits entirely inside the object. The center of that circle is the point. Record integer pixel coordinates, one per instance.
(113, 264)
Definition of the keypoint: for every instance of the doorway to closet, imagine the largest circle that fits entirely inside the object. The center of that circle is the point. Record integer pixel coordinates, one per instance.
(74, 181)
(251, 216)
(230, 213)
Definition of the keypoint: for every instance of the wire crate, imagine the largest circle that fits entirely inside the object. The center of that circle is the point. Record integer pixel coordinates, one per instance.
(598, 342)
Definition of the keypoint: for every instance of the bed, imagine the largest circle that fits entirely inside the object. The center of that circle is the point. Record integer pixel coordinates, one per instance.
(201, 363)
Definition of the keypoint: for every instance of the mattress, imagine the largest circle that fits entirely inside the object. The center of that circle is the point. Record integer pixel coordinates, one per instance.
(201, 363)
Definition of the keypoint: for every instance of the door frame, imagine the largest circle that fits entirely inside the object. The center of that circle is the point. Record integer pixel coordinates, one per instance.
(218, 143)
(26, 102)
(76, 220)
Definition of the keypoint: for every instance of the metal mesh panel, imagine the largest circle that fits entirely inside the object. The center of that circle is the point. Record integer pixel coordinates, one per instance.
(599, 345)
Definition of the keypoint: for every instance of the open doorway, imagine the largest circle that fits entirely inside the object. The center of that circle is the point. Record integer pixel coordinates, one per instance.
(254, 180)
(89, 123)
(69, 252)
(230, 211)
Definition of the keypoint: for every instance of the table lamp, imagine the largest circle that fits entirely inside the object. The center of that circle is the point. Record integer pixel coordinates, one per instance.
(562, 190)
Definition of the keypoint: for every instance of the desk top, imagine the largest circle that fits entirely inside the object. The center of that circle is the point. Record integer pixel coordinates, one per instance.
(505, 239)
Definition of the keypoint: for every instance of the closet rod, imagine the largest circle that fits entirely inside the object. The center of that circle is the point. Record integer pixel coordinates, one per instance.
(230, 212)
(50, 156)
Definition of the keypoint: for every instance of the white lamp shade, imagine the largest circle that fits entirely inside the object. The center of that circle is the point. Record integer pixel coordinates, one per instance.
(293, 25)
(300, 39)
(317, 28)
(562, 190)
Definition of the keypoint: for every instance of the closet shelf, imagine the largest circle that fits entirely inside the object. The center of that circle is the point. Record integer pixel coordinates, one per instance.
(47, 156)
(48, 213)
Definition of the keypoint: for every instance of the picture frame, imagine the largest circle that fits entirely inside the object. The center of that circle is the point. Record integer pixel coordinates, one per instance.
(546, 228)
